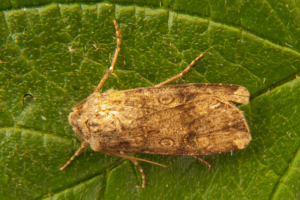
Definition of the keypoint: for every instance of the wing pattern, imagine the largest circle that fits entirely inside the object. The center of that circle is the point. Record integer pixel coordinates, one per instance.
(190, 119)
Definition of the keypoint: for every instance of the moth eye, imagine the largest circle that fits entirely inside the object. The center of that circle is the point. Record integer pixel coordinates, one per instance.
(167, 142)
(165, 99)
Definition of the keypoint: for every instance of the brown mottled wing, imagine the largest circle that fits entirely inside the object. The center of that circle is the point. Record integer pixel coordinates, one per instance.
(191, 119)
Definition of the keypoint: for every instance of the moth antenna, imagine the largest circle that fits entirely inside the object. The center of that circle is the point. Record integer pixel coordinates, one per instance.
(140, 159)
(114, 60)
(182, 73)
(83, 145)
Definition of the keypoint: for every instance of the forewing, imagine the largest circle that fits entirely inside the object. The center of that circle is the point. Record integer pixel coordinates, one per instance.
(171, 121)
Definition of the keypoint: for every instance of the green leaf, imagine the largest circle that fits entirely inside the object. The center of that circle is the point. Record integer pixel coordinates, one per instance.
(52, 56)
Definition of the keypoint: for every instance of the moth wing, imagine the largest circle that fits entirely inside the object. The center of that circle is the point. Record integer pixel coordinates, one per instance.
(165, 124)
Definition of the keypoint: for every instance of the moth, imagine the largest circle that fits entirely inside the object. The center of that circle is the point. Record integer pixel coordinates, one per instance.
(187, 119)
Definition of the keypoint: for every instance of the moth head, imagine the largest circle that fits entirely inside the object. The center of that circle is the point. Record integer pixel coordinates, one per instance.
(95, 145)
(79, 120)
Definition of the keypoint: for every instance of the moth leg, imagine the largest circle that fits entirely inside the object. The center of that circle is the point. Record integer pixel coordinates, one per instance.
(140, 168)
(182, 73)
(202, 160)
(83, 145)
(114, 60)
